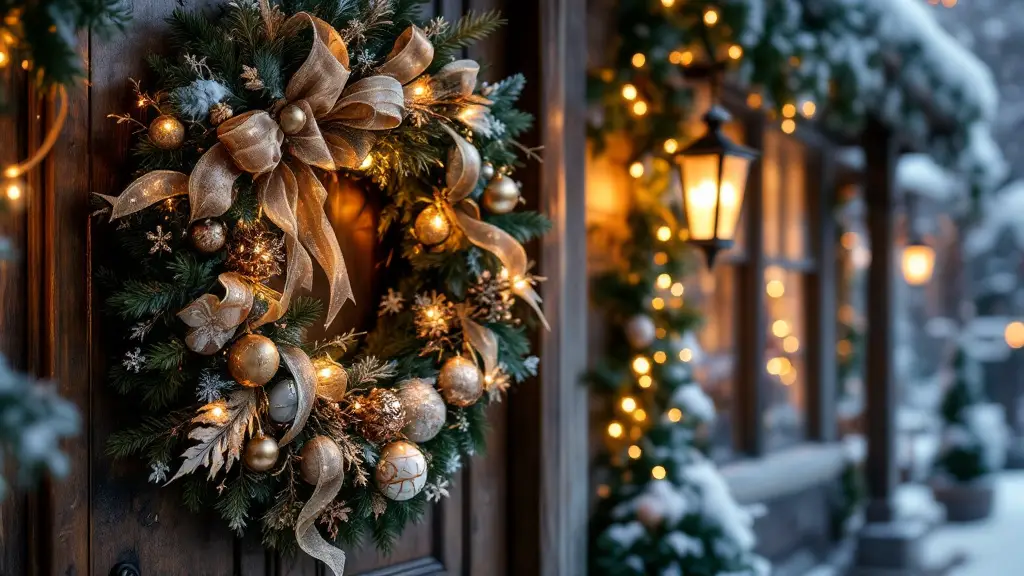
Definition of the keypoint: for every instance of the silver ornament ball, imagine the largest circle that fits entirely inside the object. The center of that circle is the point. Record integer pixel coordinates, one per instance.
(284, 401)
(487, 171)
(292, 119)
(640, 331)
(425, 412)
(401, 470)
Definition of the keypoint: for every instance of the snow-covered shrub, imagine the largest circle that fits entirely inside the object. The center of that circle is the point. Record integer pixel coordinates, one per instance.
(687, 524)
(974, 442)
(33, 420)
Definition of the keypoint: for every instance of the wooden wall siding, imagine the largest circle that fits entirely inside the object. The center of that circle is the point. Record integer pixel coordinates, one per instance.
(105, 513)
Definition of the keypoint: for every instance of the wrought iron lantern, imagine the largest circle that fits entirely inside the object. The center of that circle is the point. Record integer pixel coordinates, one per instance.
(713, 171)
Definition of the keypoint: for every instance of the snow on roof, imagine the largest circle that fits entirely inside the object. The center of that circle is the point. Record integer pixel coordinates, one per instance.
(918, 173)
(955, 72)
(916, 77)
(1002, 212)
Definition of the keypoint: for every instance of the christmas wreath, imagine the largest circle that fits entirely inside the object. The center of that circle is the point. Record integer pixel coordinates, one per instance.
(262, 114)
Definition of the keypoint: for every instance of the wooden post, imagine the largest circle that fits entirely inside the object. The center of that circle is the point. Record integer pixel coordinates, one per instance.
(821, 300)
(548, 455)
(879, 193)
(750, 390)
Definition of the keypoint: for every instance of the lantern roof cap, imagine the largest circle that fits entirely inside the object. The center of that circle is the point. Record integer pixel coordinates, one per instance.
(716, 142)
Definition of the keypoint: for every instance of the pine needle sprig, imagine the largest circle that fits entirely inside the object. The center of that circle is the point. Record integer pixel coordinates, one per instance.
(470, 29)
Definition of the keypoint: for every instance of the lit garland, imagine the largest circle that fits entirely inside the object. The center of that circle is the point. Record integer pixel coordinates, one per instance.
(828, 60)
(654, 415)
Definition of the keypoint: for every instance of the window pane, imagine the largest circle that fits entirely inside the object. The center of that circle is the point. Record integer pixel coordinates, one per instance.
(716, 368)
(785, 370)
(795, 202)
(771, 184)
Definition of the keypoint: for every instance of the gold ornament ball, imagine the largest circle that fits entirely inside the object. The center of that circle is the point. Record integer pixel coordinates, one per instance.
(425, 412)
(321, 458)
(292, 119)
(208, 235)
(253, 360)
(261, 453)
(380, 414)
(401, 470)
(501, 195)
(331, 379)
(461, 382)
(167, 132)
(432, 226)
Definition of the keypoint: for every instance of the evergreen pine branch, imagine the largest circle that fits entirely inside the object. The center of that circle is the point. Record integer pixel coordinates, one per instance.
(159, 393)
(138, 299)
(166, 356)
(505, 93)
(471, 28)
(523, 226)
(131, 441)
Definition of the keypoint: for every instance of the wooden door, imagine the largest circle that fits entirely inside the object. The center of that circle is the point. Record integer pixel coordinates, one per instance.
(519, 509)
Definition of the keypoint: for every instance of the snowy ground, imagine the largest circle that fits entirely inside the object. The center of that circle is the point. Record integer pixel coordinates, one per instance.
(994, 547)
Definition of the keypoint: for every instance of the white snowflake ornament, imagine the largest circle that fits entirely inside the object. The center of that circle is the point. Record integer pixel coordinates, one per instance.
(134, 360)
(391, 303)
(159, 239)
(158, 472)
(435, 492)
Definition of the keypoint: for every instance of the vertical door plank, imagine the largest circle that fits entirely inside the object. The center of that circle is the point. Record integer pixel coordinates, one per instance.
(14, 508)
(66, 323)
(131, 518)
(548, 451)
(486, 480)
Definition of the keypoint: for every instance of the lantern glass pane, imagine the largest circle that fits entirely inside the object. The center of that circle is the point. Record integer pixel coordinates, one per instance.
(700, 194)
(918, 264)
(734, 180)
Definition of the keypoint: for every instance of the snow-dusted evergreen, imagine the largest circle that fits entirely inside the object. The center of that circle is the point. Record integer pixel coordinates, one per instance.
(975, 439)
(33, 420)
(664, 508)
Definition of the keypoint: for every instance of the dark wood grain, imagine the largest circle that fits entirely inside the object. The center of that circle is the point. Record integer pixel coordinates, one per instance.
(548, 502)
(14, 509)
(130, 517)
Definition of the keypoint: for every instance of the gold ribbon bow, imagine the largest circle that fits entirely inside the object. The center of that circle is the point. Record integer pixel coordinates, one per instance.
(320, 123)
(461, 177)
(212, 321)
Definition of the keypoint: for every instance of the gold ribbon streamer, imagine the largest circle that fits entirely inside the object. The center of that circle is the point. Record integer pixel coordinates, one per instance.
(147, 190)
(461, 177)
(304, 375)
(328, 457)
(212, 321)
(479, 338)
